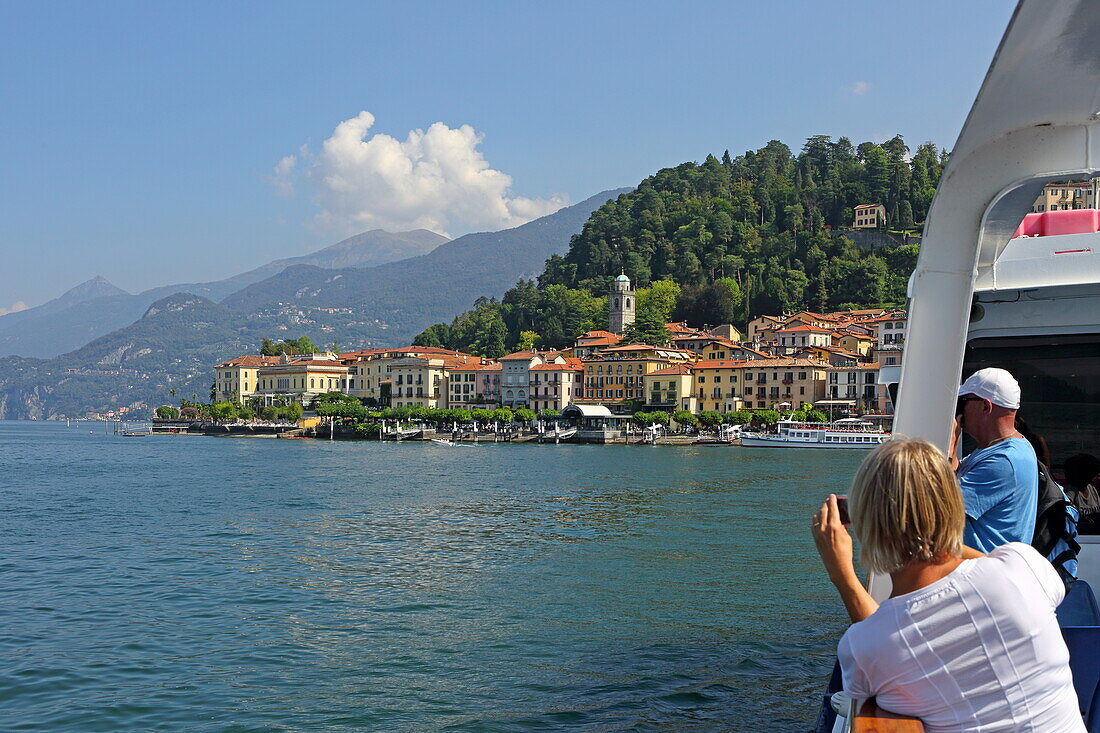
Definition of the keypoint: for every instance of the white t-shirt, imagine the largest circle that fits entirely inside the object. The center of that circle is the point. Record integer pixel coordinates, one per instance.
(978, 650)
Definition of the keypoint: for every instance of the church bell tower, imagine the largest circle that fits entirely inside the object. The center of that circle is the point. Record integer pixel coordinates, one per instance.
(621, 300)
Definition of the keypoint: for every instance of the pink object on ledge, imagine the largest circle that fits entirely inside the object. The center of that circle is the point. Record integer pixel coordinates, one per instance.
(1052, 223)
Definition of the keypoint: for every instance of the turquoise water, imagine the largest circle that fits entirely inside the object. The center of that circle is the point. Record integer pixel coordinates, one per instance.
(189, 583)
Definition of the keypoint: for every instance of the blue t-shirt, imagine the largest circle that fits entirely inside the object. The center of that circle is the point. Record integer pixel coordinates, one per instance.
(1000, 488)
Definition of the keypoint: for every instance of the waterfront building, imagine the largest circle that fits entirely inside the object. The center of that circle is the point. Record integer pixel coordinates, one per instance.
(301, 377)
(768, 383)
(474, 385)
(237, 379)
(424, 380)
(615, 375)
(370, 370)
(671, 388)
(869, 216)
(856, 383)
(515, 378)
(717, 385)
(621, 304)
(556, 384)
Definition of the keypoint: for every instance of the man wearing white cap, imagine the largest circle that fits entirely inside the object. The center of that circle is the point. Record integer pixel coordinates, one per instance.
(1000, 479)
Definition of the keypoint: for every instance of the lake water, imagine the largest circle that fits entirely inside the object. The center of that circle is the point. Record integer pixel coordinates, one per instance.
(188, 583)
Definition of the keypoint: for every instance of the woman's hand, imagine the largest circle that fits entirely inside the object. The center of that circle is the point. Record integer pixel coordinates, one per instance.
(834, 544)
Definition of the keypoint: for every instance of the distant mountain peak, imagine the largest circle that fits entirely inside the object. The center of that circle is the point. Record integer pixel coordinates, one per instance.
(96, 287)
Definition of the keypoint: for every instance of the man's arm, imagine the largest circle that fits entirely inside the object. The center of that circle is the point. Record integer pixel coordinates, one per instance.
(953, 449)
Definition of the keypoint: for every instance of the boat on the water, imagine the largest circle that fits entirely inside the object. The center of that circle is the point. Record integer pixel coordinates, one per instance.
(848, 433)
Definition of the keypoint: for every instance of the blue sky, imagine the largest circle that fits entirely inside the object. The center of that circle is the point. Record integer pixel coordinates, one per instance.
(139, 140)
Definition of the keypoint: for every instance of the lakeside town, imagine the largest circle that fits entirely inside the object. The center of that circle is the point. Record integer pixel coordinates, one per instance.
(841, 363)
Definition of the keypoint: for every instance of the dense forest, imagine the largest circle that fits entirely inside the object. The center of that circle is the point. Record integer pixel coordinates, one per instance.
(720, 242)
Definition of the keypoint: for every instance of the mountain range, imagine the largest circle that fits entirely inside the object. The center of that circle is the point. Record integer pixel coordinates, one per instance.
(97, 307)
(170, 340)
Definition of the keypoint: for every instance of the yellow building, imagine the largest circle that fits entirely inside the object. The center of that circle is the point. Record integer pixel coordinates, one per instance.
(301, 377)
(238, 379)
(370, 370)
(768, 383)
(854, 342)
(717, 385)
(616, 374)
(1065, 197)
(671, 388)
(424, 380)
(869, 216)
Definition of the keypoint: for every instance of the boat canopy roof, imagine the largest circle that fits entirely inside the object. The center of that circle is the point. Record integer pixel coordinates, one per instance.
(586, 411)
(1036, 119)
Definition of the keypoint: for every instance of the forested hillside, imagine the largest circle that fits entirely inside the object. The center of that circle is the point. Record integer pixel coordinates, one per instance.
(721, 241)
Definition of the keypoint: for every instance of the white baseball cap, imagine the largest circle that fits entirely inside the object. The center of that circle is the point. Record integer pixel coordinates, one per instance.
(995, 385)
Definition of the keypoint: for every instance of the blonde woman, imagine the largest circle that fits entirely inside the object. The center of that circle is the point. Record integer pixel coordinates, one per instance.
(966, 642)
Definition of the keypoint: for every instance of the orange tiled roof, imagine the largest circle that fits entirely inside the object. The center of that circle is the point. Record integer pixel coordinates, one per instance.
(673, 370)
(805, 328)
(607, 341)
(249, 360)
(570, 365)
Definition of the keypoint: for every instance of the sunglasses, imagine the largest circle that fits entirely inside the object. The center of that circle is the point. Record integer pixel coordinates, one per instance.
(960, 404)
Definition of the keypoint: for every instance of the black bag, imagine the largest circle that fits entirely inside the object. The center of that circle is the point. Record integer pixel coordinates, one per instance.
(1056, 521)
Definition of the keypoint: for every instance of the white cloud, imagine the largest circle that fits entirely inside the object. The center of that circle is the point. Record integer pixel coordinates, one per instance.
(860, 88)
(284, 169)
(435, 179)
(14, 308)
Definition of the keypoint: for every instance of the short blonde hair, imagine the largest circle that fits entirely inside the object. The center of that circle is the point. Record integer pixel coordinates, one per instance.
(906, 506)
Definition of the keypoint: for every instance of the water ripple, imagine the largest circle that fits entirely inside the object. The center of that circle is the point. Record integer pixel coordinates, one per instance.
(177, 583)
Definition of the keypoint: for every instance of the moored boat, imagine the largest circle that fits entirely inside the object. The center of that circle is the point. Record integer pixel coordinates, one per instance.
(847, 433)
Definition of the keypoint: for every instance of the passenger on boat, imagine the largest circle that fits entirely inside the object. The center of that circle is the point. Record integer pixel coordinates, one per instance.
(1000, 479)
(1081, 471)
(966, 642)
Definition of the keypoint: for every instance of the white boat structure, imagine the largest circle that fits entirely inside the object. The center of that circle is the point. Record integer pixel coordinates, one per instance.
(993, 289)
(849, 432)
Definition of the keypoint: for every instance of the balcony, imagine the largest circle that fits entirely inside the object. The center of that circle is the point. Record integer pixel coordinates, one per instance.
(788, 381)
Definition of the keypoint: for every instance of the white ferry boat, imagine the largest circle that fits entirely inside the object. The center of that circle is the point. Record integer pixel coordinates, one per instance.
(848, 433)
(989, 290)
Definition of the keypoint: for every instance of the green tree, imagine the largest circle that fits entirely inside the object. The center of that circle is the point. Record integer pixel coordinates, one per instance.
(527, 341)
(738, 417)
(766, 417)
(647, 330)
(685, 418)
(503, 415)
(710, 418)
(524, 415)
(165, 412)
(224, 411)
